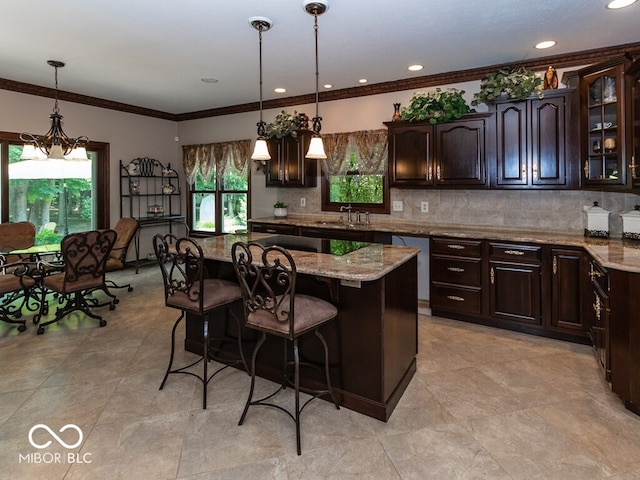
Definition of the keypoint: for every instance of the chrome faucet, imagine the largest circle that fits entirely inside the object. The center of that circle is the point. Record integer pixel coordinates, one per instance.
(348, 209)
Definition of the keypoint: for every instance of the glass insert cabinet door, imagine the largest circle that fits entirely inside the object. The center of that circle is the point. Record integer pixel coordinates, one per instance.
(603, 159)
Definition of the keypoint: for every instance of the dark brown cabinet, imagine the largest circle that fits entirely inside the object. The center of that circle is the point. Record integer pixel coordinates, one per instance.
(599, 329)
(456, 276)
(570, 287)
(533, 140)
(446, 154)
(633, 127)
(288, 166)
(514, 282)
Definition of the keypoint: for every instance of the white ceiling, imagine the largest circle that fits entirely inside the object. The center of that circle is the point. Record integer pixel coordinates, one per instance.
(152, 54)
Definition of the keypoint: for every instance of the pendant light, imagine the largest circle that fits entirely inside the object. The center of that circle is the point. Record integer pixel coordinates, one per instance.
(316, 148)
(260, 152)
(55, 144)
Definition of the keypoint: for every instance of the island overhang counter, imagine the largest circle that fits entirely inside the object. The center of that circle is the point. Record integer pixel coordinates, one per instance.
(373, 342)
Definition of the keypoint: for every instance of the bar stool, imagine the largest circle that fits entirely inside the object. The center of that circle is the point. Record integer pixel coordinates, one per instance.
(267, 277)
(186, 289)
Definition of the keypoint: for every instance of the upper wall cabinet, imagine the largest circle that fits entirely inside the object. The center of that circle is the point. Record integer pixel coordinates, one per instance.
(605, 123)
(533, 142)
(446, 154)
(288, 166)
(633, 126)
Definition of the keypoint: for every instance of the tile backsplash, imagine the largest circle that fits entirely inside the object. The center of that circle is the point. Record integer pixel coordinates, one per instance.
(559, 210)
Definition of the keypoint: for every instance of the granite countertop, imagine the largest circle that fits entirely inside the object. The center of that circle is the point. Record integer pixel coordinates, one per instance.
(610, 253)
(366, 264)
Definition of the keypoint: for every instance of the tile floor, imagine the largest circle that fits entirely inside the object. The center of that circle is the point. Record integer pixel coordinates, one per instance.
(485, 403)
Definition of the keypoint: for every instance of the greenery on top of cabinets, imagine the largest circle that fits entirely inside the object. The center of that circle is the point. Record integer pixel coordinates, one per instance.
(513, 83)
(284, 124)
(437, 106)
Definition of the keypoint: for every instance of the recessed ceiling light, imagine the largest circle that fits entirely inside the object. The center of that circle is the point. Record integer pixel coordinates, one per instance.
(362, 80)
(545, 44)
(328, 85)
(620, 4)
(415, 68)
(279, 89)
(209, 80)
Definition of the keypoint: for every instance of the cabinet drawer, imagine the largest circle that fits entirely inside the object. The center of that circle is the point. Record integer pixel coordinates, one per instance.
(454, 246)
(515, 252)
(466, 300)
(274, 228)
(461, 271)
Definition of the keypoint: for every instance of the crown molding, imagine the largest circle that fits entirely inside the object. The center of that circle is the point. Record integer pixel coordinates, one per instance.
(585, 57)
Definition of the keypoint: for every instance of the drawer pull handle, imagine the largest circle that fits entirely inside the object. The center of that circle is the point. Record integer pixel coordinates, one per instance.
(455, 246)
(514, 252)
(270, 230)
(455, 269)
(456, 298)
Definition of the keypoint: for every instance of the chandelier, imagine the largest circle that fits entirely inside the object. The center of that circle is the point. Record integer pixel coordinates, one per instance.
(55, 144)
(316, 148)
(261, 152)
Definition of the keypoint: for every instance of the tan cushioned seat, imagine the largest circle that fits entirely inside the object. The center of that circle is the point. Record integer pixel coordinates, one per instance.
(309, 312)
(216, 292)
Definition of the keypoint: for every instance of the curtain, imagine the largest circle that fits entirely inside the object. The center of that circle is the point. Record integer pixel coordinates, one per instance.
(371, 150)
(368, 146)
(208, 157)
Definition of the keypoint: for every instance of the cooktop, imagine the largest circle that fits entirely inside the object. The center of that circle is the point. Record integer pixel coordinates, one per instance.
(308, 244)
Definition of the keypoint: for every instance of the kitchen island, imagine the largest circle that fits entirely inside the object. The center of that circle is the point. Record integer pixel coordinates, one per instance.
(373, 341)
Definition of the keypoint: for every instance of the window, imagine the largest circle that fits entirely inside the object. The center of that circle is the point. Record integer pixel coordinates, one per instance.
(219, 193)
(355, 171)
(57, 196)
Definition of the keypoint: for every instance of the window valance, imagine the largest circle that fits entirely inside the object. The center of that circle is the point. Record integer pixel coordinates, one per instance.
(364, 151)
(220, 156)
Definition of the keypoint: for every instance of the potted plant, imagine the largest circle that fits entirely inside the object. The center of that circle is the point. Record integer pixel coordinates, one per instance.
(437, 106)
(513, 82)
(280, 210)
(285, 124)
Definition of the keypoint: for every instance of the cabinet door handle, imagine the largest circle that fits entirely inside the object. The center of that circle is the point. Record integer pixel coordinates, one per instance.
(586, 169)
(455, 269)
(455, 298)
(455, 246)
(492, 274)
(597, 307)
(535, 171)
(270, 230)
(555, 264)
(438, 173)
(524, 172)
(514, 252)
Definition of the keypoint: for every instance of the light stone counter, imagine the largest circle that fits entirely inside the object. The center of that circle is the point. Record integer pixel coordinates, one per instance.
(613, 253)
(366, 264)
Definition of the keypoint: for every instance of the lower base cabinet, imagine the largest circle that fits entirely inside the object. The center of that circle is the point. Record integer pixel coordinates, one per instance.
(532, 288)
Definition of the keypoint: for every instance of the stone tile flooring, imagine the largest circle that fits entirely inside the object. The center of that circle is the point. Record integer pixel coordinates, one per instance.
(485, 403)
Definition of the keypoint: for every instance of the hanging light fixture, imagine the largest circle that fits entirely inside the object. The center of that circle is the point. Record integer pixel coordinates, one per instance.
(260, 152)
(316, 148)
(55, 144)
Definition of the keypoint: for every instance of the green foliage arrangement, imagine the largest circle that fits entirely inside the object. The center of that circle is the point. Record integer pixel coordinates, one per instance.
(437, 106)
(284, 124)
(279, 205)
(514, 83)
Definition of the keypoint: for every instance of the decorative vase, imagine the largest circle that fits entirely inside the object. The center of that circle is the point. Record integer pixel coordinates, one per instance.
(396, 112)
(280, 212)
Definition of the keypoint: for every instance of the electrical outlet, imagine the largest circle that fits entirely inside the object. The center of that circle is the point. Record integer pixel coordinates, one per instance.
(424, 207)
(303, 202)
(397, 205)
